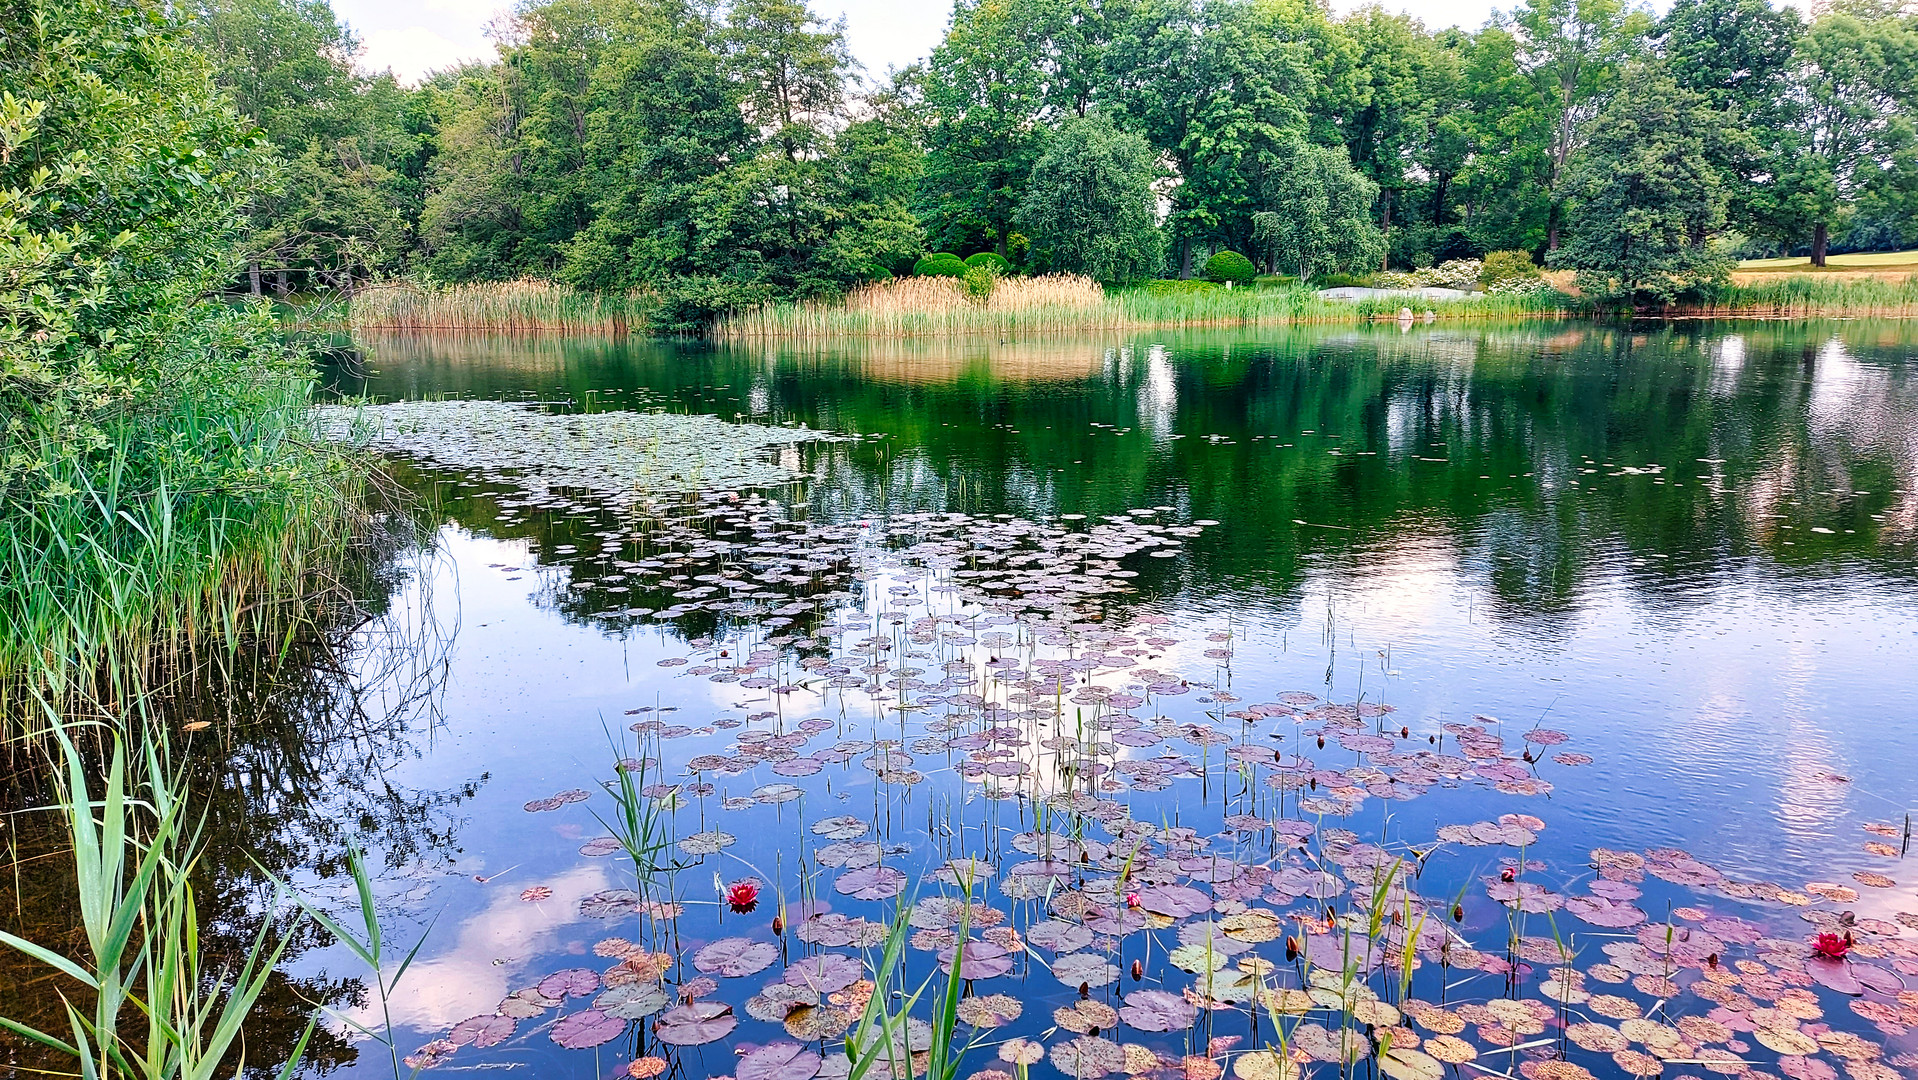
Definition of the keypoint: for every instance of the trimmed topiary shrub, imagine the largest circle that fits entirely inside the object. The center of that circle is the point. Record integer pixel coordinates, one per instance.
(940, 264)
(991, 262)
(1230, 266)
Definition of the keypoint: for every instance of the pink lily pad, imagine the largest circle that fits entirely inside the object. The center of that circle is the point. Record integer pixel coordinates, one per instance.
(696, 1024)
(585, 1030)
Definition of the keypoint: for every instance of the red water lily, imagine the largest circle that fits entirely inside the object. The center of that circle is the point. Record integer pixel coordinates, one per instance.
(1832, 946)
(742, 895)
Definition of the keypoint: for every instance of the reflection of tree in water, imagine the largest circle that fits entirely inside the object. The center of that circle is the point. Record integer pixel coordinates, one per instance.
(1469, 444)
(297, 762)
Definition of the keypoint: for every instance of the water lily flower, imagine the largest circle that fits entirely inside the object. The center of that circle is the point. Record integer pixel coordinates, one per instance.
(742, 895)
(1132, 900)
(1831, 946)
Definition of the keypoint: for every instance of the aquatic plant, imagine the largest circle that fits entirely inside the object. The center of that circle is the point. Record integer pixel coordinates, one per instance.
(133, 866)
(370, 948)
(523, 305)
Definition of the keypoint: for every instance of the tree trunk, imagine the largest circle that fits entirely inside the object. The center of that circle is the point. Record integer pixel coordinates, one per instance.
(1820, 240)
(1185, 258)
(1385, 228)
(253, 278)
(279, 282)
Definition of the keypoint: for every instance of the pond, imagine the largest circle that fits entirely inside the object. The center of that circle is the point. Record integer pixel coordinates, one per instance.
(1519, 700)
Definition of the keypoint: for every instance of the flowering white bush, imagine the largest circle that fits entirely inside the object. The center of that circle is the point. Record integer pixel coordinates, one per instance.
(1455, 274)
(1518, 286)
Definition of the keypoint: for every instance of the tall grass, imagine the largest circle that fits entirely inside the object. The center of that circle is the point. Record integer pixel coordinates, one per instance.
(1812, 294)
(917, 307)
(189, 536)
(525, 305)
(146, 1007)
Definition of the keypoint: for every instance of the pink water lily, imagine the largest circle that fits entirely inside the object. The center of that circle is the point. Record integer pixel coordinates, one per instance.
(1832, 946)
(742, 895)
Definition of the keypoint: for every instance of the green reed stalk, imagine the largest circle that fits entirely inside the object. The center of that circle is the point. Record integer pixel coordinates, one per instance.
(132, 867)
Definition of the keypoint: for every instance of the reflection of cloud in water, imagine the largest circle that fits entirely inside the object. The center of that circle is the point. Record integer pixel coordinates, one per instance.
(1158, 394)
(488, 957)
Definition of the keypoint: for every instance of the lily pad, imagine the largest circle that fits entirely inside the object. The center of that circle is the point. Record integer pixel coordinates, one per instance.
(696, 1024)
(735, 957)
(585, 1030)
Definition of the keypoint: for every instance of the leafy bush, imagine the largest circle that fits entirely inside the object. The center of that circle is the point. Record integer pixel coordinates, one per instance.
(979, 281)
(991, 262)
(1503, 266)
(940, 264)
(1518, 286)
(1274, 281)
(1342, 281)
(1230, 266)
(690, 305)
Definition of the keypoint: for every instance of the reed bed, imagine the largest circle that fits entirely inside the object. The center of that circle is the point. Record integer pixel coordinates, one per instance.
(921, 307)
(140, 567)
(524, 305)
(1794, 295)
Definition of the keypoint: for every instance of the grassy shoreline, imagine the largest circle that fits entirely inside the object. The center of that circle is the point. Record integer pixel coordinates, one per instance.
(921, 307)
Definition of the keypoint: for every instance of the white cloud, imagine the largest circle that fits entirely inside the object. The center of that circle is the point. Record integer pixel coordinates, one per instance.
(413, 52)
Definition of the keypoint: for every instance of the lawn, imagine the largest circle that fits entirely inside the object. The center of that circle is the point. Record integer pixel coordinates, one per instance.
(1877, 262)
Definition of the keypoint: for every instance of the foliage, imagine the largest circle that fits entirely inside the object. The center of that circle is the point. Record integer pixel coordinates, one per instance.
(1230, 266)
(352, 147)
(1090, 208)
(990, 261)
(1503, 266)
(978, 282)
(1453, 274)
(1320, 216)
(1647, 197)
(156, 470)
(940, 264)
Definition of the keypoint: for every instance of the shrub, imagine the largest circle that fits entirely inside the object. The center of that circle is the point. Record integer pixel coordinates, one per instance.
(940, 264)
(978, 283)
(690, 305)
(1177, 287)
(1457, 274)
(1230, 266)
(991, 262)
(1342, 281)
(1274, 281)
(1503, 266)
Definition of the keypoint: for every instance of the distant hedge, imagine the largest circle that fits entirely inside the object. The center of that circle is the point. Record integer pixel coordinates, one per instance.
(940, 264)
(991, 261)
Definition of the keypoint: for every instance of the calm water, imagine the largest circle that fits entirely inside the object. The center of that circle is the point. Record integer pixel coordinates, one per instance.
(1692, 551)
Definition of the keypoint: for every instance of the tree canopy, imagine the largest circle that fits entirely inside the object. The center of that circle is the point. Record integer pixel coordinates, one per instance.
(720, 155)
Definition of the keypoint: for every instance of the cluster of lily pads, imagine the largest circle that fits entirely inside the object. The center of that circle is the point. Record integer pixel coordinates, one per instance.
(1139, 866)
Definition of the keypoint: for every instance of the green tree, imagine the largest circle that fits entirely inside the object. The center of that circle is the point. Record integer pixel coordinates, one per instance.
(1572, 50)
(1089, 207)
(1504, 182)
(1857, 74)
(354, 153)
(1739, 55)
(1320, 213)
(1646, 200)
(985, 97)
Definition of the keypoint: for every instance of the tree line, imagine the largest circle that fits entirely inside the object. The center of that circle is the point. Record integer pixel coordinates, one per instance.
(720, 156)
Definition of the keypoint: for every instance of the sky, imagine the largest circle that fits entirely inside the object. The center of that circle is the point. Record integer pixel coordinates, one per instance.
(415, 37)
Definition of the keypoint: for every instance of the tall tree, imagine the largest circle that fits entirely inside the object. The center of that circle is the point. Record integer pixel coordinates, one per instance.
(1645, 197)
(1319, 212)
(1857, 68)
(1090, 207)
(354, 153)
(1738, 55)
(1572, 51)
